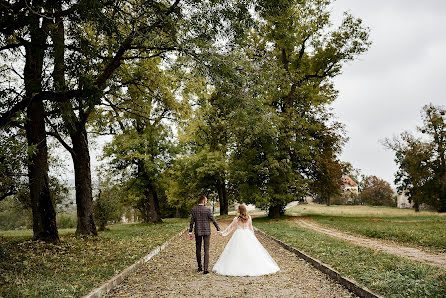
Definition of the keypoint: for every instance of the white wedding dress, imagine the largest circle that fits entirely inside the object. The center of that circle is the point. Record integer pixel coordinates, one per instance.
(244, 255)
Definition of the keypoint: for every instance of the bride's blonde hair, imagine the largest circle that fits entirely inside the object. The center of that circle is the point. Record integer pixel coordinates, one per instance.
(243, 213)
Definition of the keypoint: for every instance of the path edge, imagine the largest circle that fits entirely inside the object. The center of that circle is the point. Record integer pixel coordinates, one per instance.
(108, 285)
(324, 268)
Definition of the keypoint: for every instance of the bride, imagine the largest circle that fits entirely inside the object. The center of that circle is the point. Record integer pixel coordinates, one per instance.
(244, 255)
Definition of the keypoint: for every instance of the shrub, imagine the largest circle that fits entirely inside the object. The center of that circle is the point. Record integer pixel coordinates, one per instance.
(107, 206)
(377, 192)
(66, 221)
(13, 216)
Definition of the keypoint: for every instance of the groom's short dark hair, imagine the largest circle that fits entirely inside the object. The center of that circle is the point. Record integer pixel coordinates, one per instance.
(202, 199)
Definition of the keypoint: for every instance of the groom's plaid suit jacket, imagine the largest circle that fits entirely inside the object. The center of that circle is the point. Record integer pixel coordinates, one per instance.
(201, 217)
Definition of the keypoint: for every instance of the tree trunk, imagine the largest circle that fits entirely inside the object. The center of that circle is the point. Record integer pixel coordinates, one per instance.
(416, 205)
(274, 211)
(82, 178)
(99, 209)
(151, 212)
(101, 226)
(442, 198)
(44, 215)
(152, 204)
(442, 195)
(58, 37)
(328, 200)
(134, 215)
(222, 197)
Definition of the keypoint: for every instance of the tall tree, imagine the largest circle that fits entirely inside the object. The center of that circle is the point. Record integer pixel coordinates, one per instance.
(23, 27)
(206, 138)
(142, 147)
(434, 128)
(411, 155)
(207, 135)
(297, 53)
(327, 174)
(421, 161)
(112, 35)
(31, 26)
(140, 154)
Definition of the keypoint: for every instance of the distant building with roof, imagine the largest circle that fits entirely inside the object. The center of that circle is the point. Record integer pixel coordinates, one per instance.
(402, 200)
(349, 185)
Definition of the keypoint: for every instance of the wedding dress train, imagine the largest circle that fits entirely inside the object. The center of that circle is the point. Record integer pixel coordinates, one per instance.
(244, 255)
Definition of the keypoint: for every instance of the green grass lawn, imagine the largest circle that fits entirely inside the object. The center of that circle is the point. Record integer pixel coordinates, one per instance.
(367, 211)
(425, 228)
(77, 264)
(385, 274)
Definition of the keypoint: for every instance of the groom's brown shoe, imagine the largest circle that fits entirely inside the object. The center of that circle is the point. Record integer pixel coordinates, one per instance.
(205, 272)
(200, 269)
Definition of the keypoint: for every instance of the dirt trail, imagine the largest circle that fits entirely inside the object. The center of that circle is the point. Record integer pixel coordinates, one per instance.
(173, 273)
(412, 253)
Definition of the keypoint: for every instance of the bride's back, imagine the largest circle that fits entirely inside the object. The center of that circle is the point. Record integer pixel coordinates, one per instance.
(237, 223)
(243, 225)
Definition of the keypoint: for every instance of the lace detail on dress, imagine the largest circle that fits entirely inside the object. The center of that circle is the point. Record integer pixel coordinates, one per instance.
(239, 225)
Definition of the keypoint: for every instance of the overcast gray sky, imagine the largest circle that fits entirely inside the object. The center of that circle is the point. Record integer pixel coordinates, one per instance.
(382, 93)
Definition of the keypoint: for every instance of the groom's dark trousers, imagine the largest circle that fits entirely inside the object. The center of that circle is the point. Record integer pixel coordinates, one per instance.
(198, 240)
(200, 222)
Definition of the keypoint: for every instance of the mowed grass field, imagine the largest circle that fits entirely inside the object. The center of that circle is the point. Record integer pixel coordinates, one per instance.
(423, 229)
(385, 274)
(78, 264)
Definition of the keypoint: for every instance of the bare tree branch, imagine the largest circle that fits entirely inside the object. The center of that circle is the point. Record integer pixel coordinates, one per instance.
(56, 134)
(10, 46)
(126, 45)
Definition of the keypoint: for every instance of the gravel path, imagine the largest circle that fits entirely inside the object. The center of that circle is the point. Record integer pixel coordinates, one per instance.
(412, 253)
(173, 273)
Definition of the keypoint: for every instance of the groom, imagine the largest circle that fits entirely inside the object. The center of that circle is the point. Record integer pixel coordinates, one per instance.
(201, 216)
